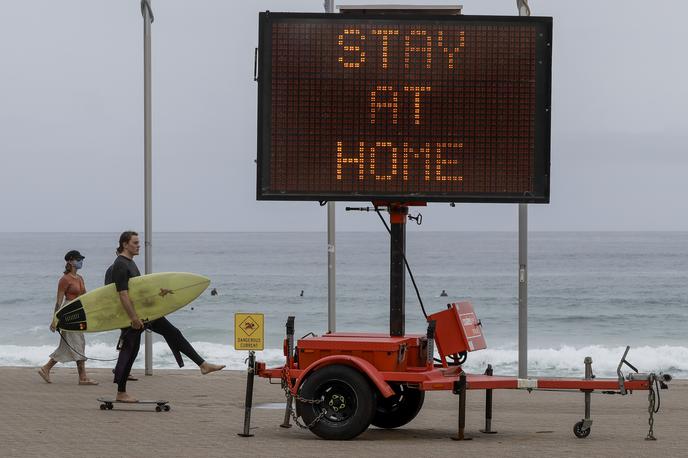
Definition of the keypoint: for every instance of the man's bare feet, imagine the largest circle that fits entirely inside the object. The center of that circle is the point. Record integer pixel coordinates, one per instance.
(207, 368)
(124, 397)
(88, 381)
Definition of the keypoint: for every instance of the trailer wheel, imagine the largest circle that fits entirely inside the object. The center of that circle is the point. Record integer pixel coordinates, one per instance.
(399, 409)
(348, 402)
(579, 432)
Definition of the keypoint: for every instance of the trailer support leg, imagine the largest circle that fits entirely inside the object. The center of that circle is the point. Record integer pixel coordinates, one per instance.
(488, 406)
(249, 394)
(290, 353)
(582, 429)
(287, 413)
(587, 421)
(460, 389)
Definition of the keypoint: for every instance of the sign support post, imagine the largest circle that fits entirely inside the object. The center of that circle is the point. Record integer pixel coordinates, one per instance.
(523, 10)
(331, 242)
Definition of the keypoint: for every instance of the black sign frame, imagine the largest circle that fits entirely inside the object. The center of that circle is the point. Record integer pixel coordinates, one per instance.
(542, 115)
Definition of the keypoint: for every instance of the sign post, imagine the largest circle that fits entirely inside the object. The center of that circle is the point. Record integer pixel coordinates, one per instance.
(249, 334)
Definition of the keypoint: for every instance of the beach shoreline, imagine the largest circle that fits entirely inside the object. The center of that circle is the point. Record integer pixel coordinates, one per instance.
(64, 419)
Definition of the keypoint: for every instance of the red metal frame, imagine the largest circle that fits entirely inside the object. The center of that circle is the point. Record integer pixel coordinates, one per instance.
(440, 378)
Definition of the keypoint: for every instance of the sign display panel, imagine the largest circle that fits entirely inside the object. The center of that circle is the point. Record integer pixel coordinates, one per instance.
(387, 107)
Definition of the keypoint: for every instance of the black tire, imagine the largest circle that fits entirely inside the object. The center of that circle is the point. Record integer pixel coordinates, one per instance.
(579, 432)
(399, 409)
(347, 398)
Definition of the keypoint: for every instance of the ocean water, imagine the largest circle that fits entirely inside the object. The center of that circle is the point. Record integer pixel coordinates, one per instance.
(590, 294)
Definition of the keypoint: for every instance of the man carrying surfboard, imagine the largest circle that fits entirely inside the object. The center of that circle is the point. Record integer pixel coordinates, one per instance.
(119, 273)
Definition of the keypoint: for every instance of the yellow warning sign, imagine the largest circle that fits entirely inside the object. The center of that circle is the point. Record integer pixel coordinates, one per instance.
(249, 331)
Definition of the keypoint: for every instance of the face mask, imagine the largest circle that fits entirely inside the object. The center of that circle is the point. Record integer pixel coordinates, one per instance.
(78, 264)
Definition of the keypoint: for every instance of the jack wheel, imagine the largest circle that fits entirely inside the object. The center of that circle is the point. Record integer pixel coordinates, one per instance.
(399, 409)
(348, 402)
(579, 432)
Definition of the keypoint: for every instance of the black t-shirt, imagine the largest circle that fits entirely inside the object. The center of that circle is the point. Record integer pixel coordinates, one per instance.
(120, 272)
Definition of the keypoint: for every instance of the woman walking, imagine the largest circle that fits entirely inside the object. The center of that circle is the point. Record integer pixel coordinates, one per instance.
(72, 344)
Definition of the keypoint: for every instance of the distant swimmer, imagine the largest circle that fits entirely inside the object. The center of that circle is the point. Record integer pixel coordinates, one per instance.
(443, 294)
(213, 292)
(301, 293)
(119, 273)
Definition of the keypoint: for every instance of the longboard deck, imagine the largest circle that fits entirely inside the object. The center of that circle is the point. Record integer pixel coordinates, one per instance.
(153, 296)
(160, 404)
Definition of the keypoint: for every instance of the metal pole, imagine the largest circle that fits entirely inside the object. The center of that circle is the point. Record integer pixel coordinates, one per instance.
(397, 270)
(147, 20)
(248, 403)
(523, 10)
(331, 273)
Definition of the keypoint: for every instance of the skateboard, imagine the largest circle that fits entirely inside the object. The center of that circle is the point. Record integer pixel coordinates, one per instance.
(160, 405)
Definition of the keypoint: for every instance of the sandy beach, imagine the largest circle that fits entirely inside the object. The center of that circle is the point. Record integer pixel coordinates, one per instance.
(64, 419)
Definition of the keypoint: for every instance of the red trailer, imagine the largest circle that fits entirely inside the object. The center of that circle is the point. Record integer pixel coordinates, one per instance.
(344, 382)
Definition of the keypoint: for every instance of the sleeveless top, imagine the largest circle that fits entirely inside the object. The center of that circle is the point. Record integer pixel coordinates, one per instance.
(72, 287)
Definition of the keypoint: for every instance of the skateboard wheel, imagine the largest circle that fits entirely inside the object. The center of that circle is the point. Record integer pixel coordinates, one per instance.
(167, 408)
(109, 406)
(158, 409)
(102, 407)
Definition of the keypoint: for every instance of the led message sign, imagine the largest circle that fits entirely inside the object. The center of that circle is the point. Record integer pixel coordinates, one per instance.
(387, 107)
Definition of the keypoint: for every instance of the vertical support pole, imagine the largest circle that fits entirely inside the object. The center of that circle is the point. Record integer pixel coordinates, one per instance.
(587, 421)
(488, 406)
(523, 10)
(331, 270)
(248, 404)
(397, 278)
(148, 147)
(523, 291)
(460, 389)
(290, 352)
(331, 259)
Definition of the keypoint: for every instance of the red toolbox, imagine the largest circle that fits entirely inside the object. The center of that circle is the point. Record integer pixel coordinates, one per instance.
(457, 330)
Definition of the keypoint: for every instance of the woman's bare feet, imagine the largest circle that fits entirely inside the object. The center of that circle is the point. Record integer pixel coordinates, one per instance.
(45, 375)
(88, 381)
(124, 397)
(207, 368)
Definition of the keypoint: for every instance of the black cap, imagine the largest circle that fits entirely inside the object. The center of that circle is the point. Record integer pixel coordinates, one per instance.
(73, 254)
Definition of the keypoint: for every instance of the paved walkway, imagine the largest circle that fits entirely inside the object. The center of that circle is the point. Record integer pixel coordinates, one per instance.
(64, 420)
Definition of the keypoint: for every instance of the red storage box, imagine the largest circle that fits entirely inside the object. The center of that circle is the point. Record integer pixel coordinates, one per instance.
(387, 354)
(457, 329)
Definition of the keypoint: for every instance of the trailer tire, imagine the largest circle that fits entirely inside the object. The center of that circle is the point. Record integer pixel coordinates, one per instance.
(399, 409)
(579, 432)
(347, 399)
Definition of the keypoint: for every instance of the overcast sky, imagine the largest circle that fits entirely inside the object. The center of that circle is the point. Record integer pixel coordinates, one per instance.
(71, 119)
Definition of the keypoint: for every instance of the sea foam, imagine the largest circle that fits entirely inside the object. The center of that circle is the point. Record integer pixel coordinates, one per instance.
(565, 361)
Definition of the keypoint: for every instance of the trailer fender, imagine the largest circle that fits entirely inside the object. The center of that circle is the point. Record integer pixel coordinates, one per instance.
(358, 363)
